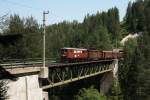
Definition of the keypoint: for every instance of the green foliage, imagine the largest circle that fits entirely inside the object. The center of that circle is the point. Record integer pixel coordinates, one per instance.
(99, 39)
(99, 31)
(134, 74)
(15, 25)
(113, 23)
(147, 14)
(3, 90)
(135, 18)
(115, 92)
(32, 38)
(126, 71)
(90, 94)
(53, 97)
(142, 62)
(27, 46)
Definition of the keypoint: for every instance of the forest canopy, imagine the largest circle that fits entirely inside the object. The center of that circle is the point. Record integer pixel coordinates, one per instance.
(97, 31)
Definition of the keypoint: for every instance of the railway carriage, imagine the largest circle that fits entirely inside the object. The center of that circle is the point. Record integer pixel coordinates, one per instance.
(94, 54)
(107, 54)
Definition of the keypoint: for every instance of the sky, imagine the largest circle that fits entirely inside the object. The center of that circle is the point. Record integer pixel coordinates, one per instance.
(60, 10)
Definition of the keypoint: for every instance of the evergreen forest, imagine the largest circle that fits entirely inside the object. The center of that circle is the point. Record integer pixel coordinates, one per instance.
(21, 38)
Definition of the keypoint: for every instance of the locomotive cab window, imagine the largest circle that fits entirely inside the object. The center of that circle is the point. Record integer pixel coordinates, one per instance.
(63, 52)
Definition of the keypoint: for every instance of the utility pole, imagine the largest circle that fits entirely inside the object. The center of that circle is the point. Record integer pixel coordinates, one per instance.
(44, 13)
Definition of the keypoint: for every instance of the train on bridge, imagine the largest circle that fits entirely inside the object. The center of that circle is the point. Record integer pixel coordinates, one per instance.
(82, 54)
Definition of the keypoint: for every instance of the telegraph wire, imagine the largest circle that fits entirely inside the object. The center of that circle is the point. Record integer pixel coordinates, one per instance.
(22, 5)
(29, 7)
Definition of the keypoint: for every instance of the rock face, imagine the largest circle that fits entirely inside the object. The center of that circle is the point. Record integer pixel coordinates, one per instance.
(130, 36)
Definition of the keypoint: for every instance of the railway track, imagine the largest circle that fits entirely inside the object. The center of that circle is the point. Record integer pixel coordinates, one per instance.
(49, 63)
(18, 63)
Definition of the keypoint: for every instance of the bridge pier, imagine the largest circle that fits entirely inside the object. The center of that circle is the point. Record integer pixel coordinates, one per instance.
(27, 87)
(106, 82)
(109, 78)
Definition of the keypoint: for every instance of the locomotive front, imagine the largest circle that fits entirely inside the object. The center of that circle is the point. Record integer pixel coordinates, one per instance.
(73, 54)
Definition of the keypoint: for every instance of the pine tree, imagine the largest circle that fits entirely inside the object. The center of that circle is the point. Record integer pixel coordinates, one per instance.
(90, 94)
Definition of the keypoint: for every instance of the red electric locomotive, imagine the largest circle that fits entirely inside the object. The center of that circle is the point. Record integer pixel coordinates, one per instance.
(73, 54)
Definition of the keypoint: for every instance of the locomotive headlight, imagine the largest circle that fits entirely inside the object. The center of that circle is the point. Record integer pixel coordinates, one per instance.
(75, 56)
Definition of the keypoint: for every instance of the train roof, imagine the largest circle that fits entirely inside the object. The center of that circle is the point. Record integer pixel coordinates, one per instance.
(93, 50)
(107, 51)
(74, 48)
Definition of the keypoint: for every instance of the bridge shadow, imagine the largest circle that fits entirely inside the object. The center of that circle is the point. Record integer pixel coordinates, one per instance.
(4, 74)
